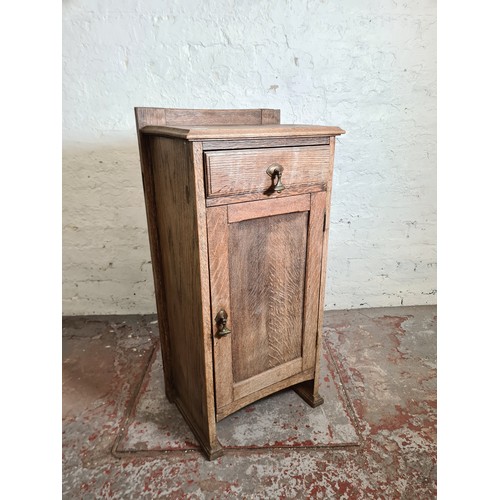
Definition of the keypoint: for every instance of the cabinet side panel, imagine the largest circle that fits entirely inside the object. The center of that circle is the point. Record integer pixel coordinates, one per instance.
(148, 186)
(177, 229)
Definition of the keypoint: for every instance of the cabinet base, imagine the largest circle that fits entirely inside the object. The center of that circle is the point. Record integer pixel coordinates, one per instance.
(213, 453)
(211, 450)
(306, 391)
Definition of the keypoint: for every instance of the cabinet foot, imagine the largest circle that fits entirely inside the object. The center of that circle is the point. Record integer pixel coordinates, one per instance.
(306, 391)
(213, 452)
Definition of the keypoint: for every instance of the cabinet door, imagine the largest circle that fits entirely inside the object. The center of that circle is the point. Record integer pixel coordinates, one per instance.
(265, 267)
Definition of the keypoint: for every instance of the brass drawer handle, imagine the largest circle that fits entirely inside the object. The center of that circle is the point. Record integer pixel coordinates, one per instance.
(221, 321)
(276, 170)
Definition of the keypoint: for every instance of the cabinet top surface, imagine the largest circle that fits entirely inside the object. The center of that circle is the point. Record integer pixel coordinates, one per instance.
(241, 131)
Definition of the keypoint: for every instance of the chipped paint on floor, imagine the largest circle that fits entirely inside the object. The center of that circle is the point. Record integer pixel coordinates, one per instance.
(384, 364)
(157, 425)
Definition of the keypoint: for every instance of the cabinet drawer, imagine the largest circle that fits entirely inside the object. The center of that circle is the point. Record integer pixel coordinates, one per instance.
(232, 173)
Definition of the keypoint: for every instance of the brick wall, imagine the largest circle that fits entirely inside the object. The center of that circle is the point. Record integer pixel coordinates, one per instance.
(367, 66)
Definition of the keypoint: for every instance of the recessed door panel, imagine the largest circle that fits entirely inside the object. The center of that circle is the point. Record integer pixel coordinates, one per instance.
(267, 263)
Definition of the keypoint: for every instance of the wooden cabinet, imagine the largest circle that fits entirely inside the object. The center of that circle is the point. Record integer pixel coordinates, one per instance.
(237, 207)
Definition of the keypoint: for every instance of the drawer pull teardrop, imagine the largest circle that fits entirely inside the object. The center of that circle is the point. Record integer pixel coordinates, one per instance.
(276, 170)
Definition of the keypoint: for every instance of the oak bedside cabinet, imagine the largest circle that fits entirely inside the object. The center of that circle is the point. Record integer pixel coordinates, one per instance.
(237, 208)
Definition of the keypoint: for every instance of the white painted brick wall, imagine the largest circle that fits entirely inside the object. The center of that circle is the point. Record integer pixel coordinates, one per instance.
(365, 65)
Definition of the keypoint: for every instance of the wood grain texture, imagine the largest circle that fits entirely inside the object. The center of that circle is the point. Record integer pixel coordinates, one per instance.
(270, 116)
(278, 206)
(240, 198)
(208, 409)
(277, 142)
(177, 217)
(204, 117)
(144, 117)
(211, 449)
(267, 269)
(147, 117)
(261, 256)
(258, 382)
(315, 238)
(196, 133)
(244, 171)
(266, 391)
(218, 237)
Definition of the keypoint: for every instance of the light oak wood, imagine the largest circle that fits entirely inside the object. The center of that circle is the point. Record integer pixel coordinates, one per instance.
(208, 440)
(242, 131)
(261, 380)
(315, 239)
(278, 206)
(292, 381)
(218, 236)
(145, 116)
(302, 166)
(271, 303)
(221, 240)
(267, 269)
(175, 186)
(175, 117)
(239, 198)
(270, 116)
(277, 142)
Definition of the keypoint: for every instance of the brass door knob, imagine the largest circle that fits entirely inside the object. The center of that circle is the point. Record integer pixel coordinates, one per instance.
(276, 170)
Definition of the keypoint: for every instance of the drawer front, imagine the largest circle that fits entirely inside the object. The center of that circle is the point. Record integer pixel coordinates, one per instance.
(232, 173)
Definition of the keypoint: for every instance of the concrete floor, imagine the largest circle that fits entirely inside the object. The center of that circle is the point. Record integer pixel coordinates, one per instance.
(384, 364)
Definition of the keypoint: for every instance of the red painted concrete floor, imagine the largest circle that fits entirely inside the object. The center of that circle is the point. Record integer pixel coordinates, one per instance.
(380, 438)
